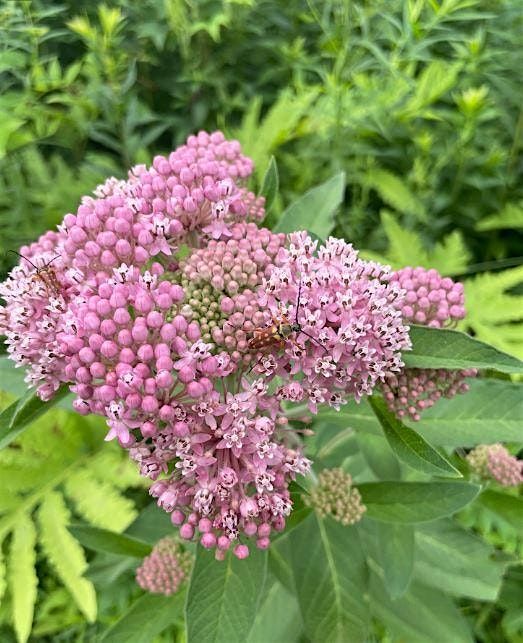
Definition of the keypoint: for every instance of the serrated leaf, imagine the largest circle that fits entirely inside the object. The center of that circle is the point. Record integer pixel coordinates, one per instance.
(24, 411)
(64, 552)
(511, 216)
(453, 560)
(145, 619)
(413, 502)
(99, 502)
(435, 80)
(508, 507)
(394, 192)
(396, 556)
(443, 348)
(22, 576)
(409, 445)
(330, 576)
(109, 541)
(223, 598)
(450, 256)
(270, 184)
(315, 210)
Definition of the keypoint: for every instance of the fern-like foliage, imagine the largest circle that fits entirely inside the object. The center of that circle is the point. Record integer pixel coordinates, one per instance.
(511, 216)
(58, 467)
(395, 192)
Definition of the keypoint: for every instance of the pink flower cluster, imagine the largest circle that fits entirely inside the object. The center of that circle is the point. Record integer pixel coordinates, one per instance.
(434, 301)
(165, 568)
(495, 462)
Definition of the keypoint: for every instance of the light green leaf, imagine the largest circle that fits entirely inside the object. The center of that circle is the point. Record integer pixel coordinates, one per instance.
(379, 455)
(511, 216)
(396, 556)
(412, 502)
(146, 618)
(223, 598)
(409, 446)
(451, 256)
(22, 576)
(330, 576)
(108, 541)
(315, 210)
(65, 553)
(270, 184)
(434, 81)
(394, 192)
(508, 507)
(3, 583)
(442, 348)
(278, 619)
(457, 562)
(24, 411)
(99, 502)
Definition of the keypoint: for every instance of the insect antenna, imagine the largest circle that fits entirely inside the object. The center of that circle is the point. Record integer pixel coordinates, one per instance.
(313, 339)
(298, 303)
(28, 260)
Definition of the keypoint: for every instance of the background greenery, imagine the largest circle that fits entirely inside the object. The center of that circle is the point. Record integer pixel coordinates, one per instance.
(418, 103)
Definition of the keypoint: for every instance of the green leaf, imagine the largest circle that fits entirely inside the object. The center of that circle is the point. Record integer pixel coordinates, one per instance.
(21, 413)
(453, 560)
(396, 556)
(278, 619)
(270, 184)
(511, 216)
(394, 192)
(3, 583)
(109, 541)
(442, 348)
(65, 553)
(379, 456)
(435, 80)
(412, 502)
(409, 446)
(330, 576)
(151, 525)
(22, 576)
(223, 598)
(315, 210)
(510, 508)
(146, 618)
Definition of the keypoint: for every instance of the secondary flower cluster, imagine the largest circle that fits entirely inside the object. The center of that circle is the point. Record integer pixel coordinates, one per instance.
(169, 311)
(495, 462)
(336, 497)
(165, 568)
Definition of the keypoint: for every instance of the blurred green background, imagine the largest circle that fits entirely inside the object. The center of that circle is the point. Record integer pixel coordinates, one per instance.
(418, 102)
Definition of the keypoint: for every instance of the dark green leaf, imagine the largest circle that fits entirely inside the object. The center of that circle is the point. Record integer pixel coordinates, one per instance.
(21, 413)
(109, 541)
(223, 597)
(411, 502)
(152, 524)
(409, 446)
(510, 508)
(330, 576)
(396, 552)
(278, 619)
(270, 184)
(443, 348)
(315, 210)
(146, 618)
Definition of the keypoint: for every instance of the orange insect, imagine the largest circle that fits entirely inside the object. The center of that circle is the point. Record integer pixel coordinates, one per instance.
(45, 275)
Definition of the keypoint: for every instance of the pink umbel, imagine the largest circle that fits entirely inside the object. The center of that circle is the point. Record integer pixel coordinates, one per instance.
(165, 569)
(495, 462)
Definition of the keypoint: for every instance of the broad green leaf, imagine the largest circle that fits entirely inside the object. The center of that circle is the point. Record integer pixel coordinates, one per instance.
(24, 411)
(508, 507)
(379, 456)
(396, 556)
(330, 576)
(109, 541)
(223, 598)
(65, 553)
(22, 576)
(278, 619)
(457, 562)
(315, 210)
(412, 502)
(11, 378)
(152, 524)
(409, 446)
(442, 348)
(421, 615)
(270, 184)
(145, 619)
(99, 502)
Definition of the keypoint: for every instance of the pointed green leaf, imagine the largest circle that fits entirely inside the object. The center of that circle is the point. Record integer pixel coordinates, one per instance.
(146, 618)
(278, 619)
(330, 576)
(443, 348)
(22, 576)
(508, 507)
(379, 456)
(315, 210)
(21, 413)
(109, 541)
(270, 184)
(411, 502)
(409, 446)
(65, 553)
(396, 552)
(223, 597)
